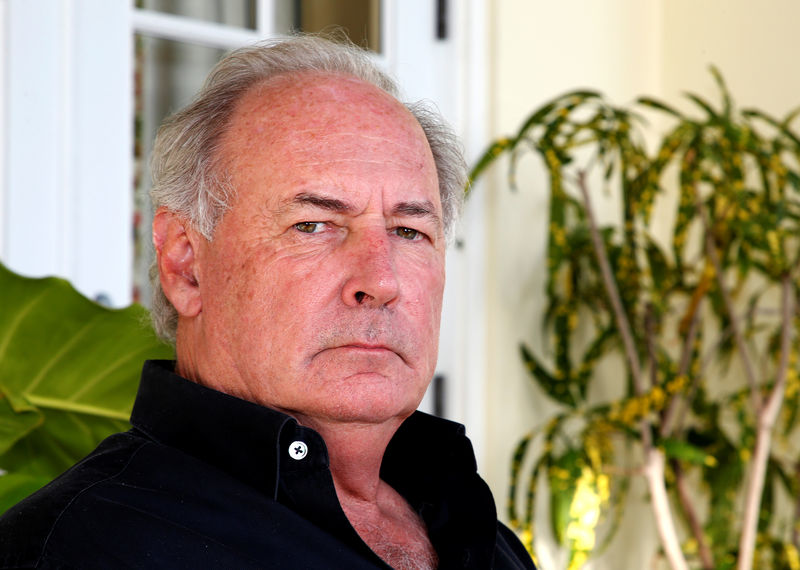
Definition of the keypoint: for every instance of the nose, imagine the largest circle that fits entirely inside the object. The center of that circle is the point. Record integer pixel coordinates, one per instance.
(371, 277)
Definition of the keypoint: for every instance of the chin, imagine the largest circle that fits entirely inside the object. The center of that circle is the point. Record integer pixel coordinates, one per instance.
(362, 397)
(370, 408)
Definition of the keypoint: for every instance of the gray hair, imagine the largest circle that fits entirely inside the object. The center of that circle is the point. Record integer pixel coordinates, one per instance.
(188, 177)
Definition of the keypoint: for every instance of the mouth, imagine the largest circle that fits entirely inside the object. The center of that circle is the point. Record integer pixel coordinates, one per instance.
(366, 346)
(367, 349)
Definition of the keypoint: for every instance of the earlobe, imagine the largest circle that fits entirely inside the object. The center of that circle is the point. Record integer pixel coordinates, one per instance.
(176, 257)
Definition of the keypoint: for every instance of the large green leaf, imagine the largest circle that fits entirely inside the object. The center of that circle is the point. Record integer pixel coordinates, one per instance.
(69, 370)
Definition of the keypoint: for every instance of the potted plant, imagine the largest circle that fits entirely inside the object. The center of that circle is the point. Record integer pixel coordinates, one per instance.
(713, 298)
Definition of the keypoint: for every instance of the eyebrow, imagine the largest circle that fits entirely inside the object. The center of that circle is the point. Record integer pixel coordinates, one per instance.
(423, 209)
(413, 208)
(324, 202)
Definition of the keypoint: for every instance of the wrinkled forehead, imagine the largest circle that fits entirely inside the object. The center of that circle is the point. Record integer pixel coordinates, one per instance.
(314, 128)
(312, 106)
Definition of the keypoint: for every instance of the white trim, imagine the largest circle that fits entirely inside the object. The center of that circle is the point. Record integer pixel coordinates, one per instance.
(64, 131)
(3, 126)
(66, 174)
(265, 17)
(388, 54)
(182, 29)
(472, 25)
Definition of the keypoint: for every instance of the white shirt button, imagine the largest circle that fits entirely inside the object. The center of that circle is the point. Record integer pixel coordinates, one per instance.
(298, 450)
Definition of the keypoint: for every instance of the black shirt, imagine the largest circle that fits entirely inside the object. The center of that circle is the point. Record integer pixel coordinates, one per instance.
(206, 480)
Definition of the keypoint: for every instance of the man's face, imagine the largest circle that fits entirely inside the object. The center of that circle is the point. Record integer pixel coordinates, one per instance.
(322, 287)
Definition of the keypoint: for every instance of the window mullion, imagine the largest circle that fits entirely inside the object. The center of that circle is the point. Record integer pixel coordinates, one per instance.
(188, 30)
(265, 18)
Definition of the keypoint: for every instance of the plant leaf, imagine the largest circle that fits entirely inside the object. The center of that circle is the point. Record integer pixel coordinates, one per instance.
(59, 350)
(556, 388)
(69, 371)
(684, 451)
(658, 105)
(16, 486)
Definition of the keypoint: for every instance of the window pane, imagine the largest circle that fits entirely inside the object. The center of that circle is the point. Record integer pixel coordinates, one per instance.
(240, 13)
(359, 19)
(167, 76)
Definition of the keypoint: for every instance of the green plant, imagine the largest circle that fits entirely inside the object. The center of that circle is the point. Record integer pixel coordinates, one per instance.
(69, 369)
(718, 288)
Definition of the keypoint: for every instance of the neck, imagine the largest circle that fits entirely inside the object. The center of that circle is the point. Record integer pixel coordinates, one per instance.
(378, 513)
(356, 453)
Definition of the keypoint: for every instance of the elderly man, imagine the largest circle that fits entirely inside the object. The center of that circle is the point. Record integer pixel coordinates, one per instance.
(301, 215)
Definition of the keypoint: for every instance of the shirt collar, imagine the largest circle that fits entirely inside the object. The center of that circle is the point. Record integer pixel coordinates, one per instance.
(429, 461)
(250, 441)
(237, 436)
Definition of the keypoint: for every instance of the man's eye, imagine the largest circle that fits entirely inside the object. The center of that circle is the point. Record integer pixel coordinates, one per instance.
(408, 233)
(309, 227)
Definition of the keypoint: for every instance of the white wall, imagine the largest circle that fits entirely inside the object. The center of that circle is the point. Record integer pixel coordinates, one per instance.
(541, 48)
(65, 166)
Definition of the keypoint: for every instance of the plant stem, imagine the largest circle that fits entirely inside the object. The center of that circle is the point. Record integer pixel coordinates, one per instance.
(610, 284)
(711, 251)
(653, 458)
(670, 425)
(652, 358)
(796, 528)
(765, 421)
(654, 474)
(706, 557)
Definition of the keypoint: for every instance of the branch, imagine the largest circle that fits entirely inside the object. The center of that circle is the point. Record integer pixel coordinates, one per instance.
(711, 251)
(668, 426)
(765, 421)
(796, 528)
(610, 283)
(654, 474)
(652, 356)
(706, 558)
(653, 468)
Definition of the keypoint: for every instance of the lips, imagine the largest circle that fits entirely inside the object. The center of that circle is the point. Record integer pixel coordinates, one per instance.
(375, 335)
(366, 348)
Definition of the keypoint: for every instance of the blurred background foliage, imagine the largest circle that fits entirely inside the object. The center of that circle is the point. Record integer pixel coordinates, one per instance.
(698, 322)
(69, 370)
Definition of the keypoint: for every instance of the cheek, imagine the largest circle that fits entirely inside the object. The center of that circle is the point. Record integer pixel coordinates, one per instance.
(280, 292)
(426, 299)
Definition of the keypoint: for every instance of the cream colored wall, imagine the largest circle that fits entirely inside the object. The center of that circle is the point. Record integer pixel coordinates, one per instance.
(754, 44)
(540, 48)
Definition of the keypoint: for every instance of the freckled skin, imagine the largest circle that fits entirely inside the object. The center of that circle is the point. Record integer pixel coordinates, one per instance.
(339, 323)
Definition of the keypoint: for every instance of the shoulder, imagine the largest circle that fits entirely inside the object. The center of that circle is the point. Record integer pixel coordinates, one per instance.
(509, 552)
(25, 528)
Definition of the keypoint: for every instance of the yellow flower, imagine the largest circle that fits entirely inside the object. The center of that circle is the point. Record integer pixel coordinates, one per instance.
(792, 556)
(526, 537)
(572, 321)
(677, 384)
(774, 243)
(578, 560)
(603, 487)
(792, 383)
(657, 397)
(584, 510)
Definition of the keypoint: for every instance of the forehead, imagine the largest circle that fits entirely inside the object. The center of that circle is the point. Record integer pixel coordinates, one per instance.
(311, 106)
(297, 116)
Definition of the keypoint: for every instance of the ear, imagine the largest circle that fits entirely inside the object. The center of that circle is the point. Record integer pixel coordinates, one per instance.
(175, 243)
